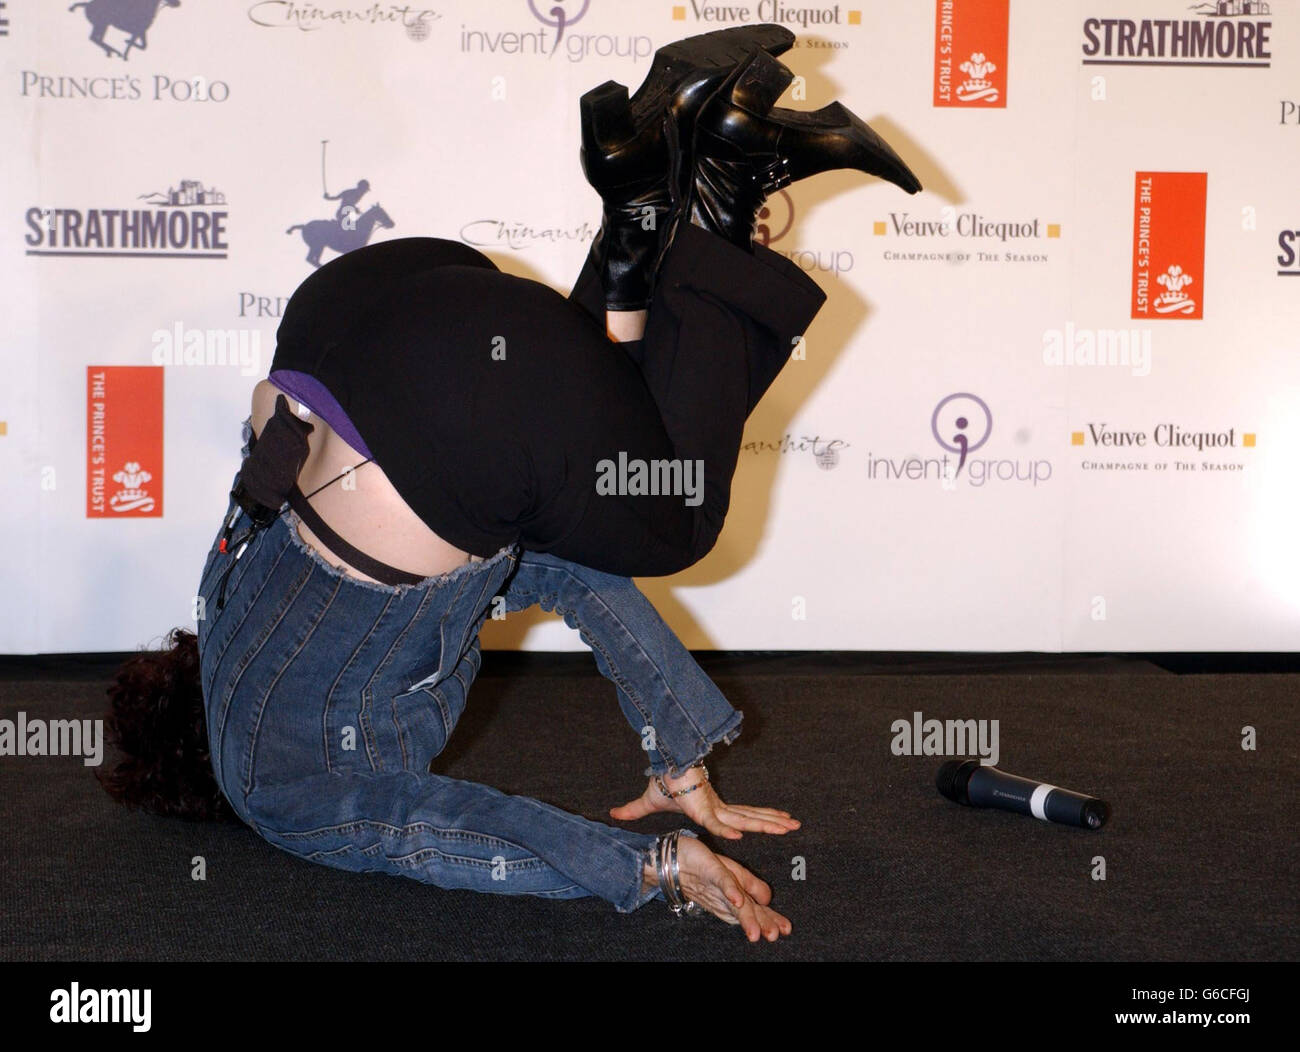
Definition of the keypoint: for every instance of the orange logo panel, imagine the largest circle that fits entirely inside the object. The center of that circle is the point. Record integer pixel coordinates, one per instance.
(124, 441)
(970, 53)
(1169, 245)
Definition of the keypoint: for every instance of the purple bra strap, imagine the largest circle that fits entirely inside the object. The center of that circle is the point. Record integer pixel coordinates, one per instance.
(305, 388)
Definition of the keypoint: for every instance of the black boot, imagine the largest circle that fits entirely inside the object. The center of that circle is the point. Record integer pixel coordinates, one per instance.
(745, 148)
(631, 151)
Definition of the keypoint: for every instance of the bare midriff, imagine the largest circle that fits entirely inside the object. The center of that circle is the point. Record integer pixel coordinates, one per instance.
(363, 508)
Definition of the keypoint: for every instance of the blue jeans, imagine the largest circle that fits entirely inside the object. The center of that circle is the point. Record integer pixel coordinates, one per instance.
(327, 697)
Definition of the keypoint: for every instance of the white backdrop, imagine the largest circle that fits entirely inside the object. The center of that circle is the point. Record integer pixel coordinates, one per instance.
(844, 532)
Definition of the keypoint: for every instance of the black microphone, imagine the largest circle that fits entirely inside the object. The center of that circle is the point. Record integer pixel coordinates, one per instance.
(976, 785)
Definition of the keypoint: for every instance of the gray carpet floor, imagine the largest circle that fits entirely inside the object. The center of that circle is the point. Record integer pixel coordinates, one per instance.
(1200, 854)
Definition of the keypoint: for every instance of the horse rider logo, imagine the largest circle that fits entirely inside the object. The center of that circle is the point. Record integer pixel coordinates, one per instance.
(350, 228)
(132, 17)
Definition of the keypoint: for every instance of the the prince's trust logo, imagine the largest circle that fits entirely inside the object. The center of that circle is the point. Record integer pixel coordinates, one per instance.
(1168, 244)
(1174, 300)
(131, 494)
(552, 31)
(124, 443)
(970, 52)
(977, 87)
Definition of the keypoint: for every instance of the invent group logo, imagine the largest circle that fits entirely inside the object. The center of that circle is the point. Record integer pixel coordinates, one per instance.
(551, 30)
(970, 53)
(124, 441)
(187, 221)
(776, 219)
(1169, 245)
(961, 424)
(1226, 33)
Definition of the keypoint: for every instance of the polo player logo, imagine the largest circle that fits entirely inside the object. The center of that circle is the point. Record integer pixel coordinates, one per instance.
(132, 496)
(132, 17)
(350, 228)
(1174, 300)
(320, 234)
(977, 87)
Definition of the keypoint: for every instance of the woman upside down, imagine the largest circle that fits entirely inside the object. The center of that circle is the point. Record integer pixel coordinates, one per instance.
(435, 437)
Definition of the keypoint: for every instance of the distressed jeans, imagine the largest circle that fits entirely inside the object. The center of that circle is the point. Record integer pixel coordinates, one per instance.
(327, 697)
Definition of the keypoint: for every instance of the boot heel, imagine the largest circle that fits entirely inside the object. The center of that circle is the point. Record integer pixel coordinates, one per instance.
(606, 116)
(760, 84)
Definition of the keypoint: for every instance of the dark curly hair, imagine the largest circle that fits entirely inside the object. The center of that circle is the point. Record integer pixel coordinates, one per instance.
(158, 726)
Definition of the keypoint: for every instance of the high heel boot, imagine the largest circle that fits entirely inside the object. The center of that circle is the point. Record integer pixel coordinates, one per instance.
(745, 148)
(631, 151)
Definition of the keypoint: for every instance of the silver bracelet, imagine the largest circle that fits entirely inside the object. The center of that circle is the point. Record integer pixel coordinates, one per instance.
(666, 865)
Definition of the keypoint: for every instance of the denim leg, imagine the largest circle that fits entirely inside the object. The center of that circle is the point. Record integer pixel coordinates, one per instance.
(320, 749)
(453, 834)
(674, 707)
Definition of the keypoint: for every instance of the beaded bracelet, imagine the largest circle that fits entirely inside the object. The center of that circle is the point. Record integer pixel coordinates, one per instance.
(689, 789)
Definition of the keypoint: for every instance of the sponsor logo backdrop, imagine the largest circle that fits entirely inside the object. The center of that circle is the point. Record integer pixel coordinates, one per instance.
(992, 438)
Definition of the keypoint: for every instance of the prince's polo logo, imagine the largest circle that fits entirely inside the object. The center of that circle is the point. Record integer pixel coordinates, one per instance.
(132, 17)
(1168, 245)
(970, 53)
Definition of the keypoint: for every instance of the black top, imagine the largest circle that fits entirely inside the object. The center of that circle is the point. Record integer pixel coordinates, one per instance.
(481, 395)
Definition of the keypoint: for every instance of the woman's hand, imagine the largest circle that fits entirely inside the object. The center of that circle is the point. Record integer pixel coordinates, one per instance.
(705, 808)
(728, 890)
